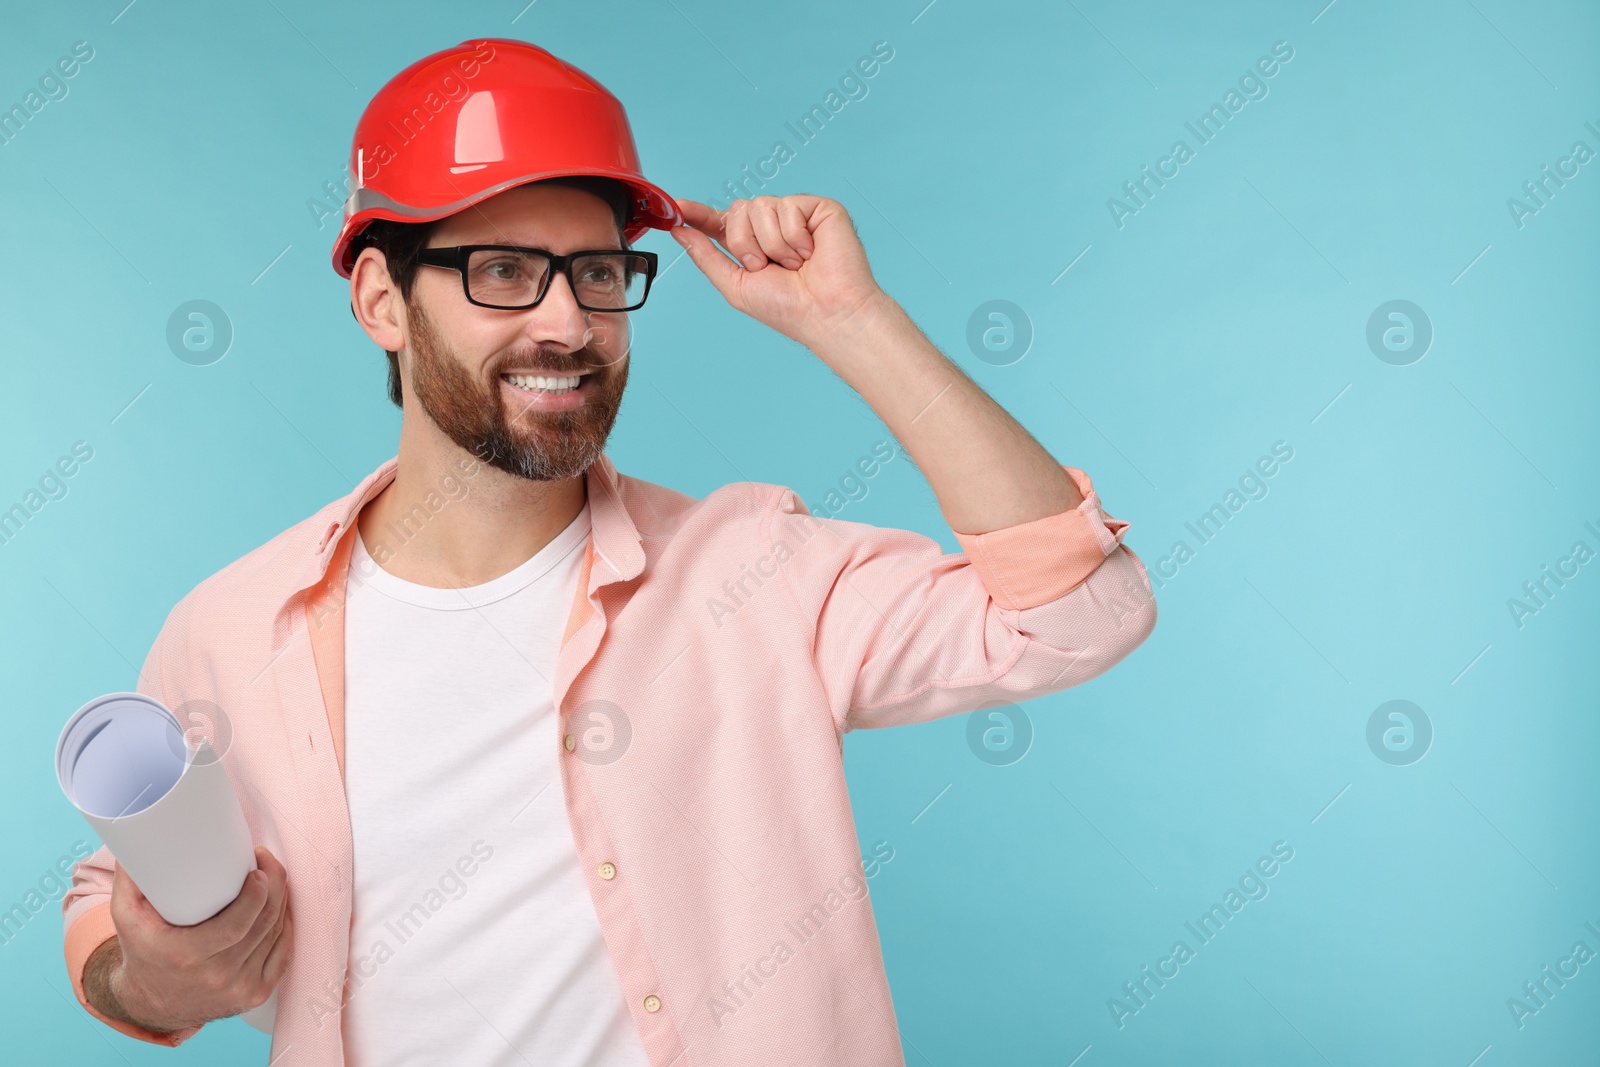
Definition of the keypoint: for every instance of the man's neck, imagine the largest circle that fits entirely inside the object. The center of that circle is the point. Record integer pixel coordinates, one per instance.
(450, 521)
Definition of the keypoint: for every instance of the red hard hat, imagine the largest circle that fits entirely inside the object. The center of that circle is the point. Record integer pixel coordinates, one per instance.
(471, 121)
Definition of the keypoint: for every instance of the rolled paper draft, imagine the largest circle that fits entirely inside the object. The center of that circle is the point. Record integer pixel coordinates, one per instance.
(167, 811)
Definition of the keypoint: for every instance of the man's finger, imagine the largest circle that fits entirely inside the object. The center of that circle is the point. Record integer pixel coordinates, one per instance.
(722, 271)
(796, 229)
(277, 960)
(708, 220)
(131, 897)
(769, 234)
(229, 926)
(261, 946)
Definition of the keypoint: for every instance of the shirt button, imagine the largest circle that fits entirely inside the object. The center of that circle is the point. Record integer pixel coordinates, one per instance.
(608, 870)
(570, 741)
(652, 1003)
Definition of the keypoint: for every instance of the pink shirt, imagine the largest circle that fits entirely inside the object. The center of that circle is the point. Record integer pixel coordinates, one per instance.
(714, 657)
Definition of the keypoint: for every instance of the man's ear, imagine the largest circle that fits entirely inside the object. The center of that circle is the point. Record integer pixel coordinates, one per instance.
(375, 301)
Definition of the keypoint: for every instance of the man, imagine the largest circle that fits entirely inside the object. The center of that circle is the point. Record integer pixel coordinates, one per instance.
(545, 761)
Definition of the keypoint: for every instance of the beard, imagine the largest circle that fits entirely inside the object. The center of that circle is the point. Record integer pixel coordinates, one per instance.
(542, 446)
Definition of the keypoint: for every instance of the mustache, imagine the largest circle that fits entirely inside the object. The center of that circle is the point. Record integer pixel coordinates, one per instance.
(554, 369)
(557, 364)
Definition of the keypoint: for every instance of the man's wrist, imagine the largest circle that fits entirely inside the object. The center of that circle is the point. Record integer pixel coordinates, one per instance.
(97, 980)
(842, 338)
(103, 986)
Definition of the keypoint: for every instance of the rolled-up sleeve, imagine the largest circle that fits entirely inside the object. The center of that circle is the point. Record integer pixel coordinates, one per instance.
(903, 632)
(86, 905)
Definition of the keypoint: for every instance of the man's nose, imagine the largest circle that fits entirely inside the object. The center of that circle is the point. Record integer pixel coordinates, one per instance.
(557, 318)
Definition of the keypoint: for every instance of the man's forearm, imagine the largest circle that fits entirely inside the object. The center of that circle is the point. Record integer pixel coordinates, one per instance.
(987, 471)
(97, 988)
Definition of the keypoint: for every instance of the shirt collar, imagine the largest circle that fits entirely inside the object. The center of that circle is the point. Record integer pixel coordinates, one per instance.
(614, 536)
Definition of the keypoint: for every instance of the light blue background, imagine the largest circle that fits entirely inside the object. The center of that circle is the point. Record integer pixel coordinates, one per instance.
(1228, 314)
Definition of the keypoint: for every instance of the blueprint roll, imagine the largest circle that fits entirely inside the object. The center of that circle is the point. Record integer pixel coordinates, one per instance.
(165, 809)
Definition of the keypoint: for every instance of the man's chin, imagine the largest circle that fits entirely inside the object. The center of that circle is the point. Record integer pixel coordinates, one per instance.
(528, 466)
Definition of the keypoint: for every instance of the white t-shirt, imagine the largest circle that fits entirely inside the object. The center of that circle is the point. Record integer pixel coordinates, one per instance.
(473, 930)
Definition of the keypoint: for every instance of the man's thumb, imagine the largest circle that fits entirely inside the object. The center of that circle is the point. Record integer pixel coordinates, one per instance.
(716, 265)
(130, 889)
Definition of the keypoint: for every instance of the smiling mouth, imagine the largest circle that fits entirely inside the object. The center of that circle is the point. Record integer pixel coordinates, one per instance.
(555, 384)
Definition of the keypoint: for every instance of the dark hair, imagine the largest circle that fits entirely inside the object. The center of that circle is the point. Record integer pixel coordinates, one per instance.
(402, 243)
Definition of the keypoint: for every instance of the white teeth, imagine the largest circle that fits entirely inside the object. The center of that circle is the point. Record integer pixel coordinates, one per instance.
(547, 385)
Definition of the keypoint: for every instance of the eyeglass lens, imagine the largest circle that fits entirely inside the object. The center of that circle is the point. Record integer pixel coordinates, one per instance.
(600, 280)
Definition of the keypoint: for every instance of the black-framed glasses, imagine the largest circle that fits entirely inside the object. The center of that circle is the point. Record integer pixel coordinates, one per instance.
(512, 278)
